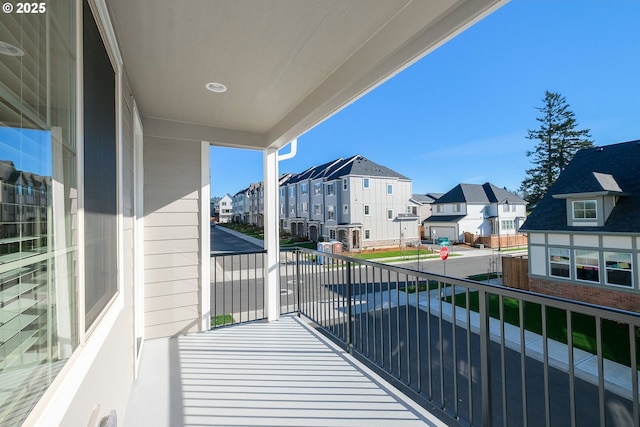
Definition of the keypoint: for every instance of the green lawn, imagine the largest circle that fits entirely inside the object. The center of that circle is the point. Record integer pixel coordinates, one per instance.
(223, 319)
(395, 254)
(615, 336)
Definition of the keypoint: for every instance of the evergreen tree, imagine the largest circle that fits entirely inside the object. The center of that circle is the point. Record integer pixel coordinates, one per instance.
(558, 141)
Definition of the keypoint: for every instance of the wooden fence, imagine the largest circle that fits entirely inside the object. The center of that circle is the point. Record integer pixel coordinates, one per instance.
(515, 272)
(496, 242)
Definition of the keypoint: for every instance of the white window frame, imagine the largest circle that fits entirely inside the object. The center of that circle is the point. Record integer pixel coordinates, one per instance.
(566, 253)
(345, 184)
(507, 224)
(439, 208)
(578, 253)
(317, 188)
(575, 208)
(389, 189)
(608, 257)
(305, 207)
(331, 213)
(330, 189)
(390, 214)
(332, 234)
(365, 183)
(455, 207)
(345, 209)
(317, 209)
(366, 209)
(367, 234)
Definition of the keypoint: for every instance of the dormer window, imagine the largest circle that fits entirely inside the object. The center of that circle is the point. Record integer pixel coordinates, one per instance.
(585, 209)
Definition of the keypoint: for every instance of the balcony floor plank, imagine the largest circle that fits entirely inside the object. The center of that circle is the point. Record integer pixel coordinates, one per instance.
(263, 374)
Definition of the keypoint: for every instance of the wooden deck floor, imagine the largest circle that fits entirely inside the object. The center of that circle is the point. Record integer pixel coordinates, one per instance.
(263, 374)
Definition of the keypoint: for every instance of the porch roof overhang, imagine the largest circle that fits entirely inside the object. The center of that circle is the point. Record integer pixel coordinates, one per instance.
(288, 64)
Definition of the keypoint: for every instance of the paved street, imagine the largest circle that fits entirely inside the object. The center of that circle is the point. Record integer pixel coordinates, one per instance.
(223, 241)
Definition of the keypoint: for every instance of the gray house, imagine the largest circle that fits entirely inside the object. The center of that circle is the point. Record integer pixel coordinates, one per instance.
(353, 200)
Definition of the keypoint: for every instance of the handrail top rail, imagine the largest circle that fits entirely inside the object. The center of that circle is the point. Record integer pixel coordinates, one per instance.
(609, 313)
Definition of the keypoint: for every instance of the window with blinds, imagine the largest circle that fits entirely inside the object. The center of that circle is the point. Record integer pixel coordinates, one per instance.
(38, 201)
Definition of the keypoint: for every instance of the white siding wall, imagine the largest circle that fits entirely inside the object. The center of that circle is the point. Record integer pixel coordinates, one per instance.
(474, 222)
(172, 260)
(376, 197)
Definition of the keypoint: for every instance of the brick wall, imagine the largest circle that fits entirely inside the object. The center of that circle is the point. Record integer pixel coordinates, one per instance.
(610, 298)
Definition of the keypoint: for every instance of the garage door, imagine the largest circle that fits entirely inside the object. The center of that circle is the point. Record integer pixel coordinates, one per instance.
(449, 232)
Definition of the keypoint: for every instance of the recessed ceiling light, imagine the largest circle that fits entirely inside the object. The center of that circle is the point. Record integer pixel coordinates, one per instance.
(216, 87)
(9, 49)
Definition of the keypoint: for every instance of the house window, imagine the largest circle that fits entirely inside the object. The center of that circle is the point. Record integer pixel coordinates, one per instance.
(330, 190)
(440, 208)
(282, 192)
(507, 224)
(292, 211)
(331, 213)
(367, 234)
(585, 209)
(317, 188)
(367, 210)
(587, 265)
(456, 207)
(619, 268)
(414, 210)
(513, 207)
(39, 306)
(281, 209)
(284, 224)
(292, 191)
(345, 209)
(304, 188)
(345, 184)
(332, 234)
(559, 262)
(389, 213)
(317, 210)
(389, 189)
(304, 207)
(365, 183)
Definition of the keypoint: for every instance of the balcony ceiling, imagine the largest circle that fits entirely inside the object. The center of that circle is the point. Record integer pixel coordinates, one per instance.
(288, 64)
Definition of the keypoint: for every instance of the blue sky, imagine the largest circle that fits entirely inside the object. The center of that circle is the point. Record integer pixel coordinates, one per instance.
(461, 114)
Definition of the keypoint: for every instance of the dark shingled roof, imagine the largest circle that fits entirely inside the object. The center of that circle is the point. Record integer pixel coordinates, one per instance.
(444, 218)
(611, 168)
(426, 198)
(476, 193)
(358, 165)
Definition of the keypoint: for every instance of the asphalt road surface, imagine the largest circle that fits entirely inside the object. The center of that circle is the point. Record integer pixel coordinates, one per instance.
(221, 241)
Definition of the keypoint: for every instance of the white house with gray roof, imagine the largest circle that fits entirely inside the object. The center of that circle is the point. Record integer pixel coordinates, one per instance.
(482, 210)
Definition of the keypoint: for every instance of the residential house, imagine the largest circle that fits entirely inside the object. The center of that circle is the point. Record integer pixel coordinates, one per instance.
(584, 235)
(483, 213)
(225, 208)
(356, 201)
(420, 204)
(120, 102)
(240, 205)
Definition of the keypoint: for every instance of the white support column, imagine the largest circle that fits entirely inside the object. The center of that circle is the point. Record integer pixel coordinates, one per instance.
(271, 236)
(205, 236)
